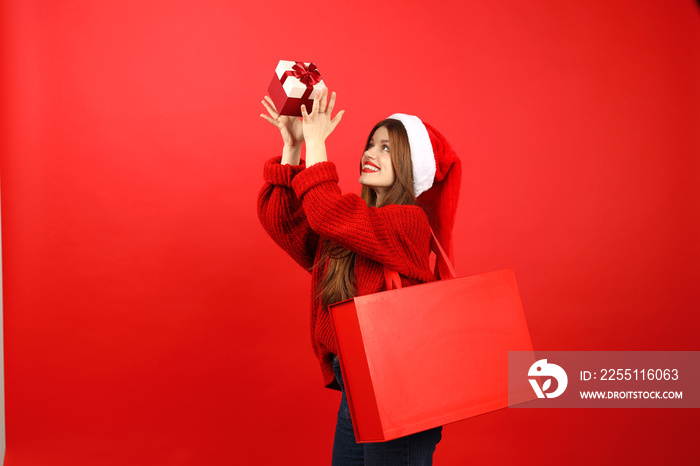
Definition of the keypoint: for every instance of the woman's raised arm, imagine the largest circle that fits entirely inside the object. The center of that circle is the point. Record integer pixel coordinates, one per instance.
(290, 129)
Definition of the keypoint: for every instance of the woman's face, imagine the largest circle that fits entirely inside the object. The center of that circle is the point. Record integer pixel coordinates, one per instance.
(377, 170)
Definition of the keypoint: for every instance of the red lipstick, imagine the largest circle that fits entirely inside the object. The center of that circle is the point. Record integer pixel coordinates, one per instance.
(367, 170)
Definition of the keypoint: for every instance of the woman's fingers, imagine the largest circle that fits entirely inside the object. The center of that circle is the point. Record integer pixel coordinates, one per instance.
(270, 103)
(331, 103)
(270, 107)
(317, 103)
(337, 118)
(269, 119)
(273, 115)
(272, 118)
(321, 106)
(323, 100)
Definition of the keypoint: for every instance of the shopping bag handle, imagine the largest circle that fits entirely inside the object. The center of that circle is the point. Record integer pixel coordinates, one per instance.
(443, 266)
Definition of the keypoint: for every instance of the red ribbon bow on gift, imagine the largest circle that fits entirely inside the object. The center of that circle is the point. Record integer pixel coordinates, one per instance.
(307, 75)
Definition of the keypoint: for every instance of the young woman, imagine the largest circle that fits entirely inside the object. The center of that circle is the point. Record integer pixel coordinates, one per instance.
(345, 241)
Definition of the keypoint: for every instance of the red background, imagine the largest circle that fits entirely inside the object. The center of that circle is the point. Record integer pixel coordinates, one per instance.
(149, 319)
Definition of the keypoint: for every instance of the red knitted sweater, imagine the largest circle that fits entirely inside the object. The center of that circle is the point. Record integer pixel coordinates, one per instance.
(300, 208)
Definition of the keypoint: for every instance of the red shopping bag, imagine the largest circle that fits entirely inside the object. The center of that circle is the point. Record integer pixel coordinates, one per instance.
(420, 357)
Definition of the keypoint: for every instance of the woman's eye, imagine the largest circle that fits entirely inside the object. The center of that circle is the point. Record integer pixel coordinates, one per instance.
(386, 148)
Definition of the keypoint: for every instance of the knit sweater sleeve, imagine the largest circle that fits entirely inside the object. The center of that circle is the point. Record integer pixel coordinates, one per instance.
(397, 236)
(281, 213)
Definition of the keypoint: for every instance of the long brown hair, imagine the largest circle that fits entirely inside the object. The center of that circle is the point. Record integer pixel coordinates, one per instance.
(339, 281)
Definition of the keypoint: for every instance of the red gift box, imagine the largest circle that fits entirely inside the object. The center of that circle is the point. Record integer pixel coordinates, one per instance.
(293, 85)
(423, 356)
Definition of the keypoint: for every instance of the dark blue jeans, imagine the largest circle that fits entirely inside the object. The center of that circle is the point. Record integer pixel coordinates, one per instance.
(412, 450)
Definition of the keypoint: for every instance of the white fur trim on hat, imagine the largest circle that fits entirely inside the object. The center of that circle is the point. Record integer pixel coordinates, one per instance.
(422, 156)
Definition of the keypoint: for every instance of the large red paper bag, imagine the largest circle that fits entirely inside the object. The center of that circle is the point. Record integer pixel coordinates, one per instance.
(430, 354)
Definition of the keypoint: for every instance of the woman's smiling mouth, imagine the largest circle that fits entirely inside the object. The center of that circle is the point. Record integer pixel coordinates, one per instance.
(369, 167)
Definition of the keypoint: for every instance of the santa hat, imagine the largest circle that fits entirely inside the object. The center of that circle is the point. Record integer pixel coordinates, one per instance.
(437, 174)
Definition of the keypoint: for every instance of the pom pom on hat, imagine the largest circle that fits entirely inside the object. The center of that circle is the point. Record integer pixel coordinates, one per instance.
(437, 176)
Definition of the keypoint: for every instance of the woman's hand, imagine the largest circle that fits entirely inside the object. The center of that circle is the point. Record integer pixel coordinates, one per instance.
(318, 124)
(290, 127)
